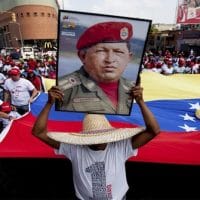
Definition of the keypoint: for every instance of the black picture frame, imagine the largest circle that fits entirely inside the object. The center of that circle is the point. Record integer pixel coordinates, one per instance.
(71, 25)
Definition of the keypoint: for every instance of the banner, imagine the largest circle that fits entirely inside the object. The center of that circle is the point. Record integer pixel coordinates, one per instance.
(174, 101)
(188, 12)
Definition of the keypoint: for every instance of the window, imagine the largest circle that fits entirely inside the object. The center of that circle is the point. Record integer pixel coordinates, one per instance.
(42, 14)
(28, 14)
(35, 14)
(22, 15)
(49, 15)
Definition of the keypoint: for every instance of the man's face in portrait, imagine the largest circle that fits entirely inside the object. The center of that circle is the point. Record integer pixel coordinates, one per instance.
(105, 62)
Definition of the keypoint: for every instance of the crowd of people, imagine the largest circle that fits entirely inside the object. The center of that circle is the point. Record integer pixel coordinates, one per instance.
(167, 63)
(20, 82)
(44, 65)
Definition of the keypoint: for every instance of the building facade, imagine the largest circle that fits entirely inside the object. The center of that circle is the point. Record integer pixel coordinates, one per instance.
(175, 39)
(28, 22)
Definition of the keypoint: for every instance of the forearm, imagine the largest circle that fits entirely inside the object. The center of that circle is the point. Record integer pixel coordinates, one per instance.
(152, 127)
(151, 123)
(40, 126)
(4, 115)
(34, 94)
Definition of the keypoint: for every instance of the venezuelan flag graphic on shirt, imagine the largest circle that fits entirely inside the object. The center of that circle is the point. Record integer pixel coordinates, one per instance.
(173, 100)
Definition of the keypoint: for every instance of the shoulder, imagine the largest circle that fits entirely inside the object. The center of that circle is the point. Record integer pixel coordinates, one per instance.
(69, 81)
(126, 83)
(126, 148)
(24, 80)
(68, 150)
(8, 81)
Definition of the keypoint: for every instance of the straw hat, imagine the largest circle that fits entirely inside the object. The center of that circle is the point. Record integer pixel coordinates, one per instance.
(96, 130)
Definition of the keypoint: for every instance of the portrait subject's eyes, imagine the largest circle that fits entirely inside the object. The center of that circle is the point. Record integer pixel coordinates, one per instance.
(119, 51)
(100, 50)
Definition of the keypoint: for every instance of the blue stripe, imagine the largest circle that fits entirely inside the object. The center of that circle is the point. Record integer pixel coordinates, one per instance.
(167, 112)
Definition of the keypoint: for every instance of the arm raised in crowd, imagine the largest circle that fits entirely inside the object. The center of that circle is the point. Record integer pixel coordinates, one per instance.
(40, 126)
(152, 126)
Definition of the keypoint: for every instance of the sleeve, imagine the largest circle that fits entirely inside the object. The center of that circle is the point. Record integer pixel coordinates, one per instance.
(125, 149)
(30, 85)
(5, 85)
(66, 150)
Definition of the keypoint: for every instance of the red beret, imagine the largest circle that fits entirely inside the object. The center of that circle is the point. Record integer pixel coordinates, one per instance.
(105, 32)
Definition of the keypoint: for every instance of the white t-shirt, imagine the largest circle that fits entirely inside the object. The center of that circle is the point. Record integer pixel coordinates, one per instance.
(19, 91)
(99, 174)
(168, 70)
(2, 78)
(180, 70)
(6, 68)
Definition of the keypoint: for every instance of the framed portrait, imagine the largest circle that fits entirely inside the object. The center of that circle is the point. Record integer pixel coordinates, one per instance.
(99, 61)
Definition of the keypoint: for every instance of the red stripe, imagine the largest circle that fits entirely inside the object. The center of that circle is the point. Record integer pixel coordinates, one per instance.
(179, 148)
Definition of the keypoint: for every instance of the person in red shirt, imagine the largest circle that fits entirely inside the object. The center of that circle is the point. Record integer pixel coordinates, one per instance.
(35, 80)
(32, 64)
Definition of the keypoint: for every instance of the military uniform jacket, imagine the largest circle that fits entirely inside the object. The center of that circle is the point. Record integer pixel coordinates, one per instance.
(82, 94)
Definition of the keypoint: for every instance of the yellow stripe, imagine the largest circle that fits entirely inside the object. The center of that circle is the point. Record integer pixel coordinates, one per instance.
(49, 83)
(177, 86)
(157, 86)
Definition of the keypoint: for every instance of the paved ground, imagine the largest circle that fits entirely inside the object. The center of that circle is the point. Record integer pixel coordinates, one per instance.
(35, 179)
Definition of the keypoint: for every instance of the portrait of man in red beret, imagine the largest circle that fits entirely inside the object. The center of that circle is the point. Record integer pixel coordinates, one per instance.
(103, 45)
